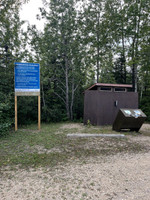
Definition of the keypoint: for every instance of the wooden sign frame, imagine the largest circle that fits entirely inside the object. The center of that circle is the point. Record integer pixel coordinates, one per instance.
(39, 113)
(27, 88)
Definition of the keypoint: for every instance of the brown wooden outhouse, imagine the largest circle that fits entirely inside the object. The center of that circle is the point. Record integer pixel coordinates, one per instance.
(102, 102)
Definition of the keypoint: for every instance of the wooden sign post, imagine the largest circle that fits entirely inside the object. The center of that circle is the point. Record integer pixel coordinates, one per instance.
(39, 112)
(27, 83)
(16, 123)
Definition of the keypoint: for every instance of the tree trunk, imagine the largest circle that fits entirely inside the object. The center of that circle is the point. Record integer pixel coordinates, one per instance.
(98, 50)
(72, 100)
(98, 65)
(67, 87)
(135, 47)
(43, 98)
(123, 53)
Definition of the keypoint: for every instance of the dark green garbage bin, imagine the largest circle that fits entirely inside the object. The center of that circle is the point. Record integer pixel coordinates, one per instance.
(129, 119)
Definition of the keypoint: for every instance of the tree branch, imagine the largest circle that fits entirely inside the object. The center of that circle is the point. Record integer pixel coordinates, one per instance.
(60, 97)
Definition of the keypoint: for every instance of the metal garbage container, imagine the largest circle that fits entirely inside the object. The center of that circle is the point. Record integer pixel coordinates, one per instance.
(129, 119)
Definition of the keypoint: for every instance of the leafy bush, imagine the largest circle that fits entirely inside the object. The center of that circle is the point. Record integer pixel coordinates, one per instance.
(5, 119)
(145, 106)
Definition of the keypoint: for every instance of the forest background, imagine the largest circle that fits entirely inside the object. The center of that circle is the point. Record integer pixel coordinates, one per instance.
(83, 42)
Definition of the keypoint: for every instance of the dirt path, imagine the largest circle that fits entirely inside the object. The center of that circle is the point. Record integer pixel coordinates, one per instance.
(118, 177)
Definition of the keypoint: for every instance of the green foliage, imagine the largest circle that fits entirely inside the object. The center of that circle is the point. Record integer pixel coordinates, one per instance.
(5, 117)
(27, 110)
(88, 123)
(60, 56)
(145, 105)
(100, 41)
(103, 40)
(53, 111)
(11, 38)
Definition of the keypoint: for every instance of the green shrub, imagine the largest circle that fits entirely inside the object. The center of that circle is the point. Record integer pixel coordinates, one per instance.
(145, 106)
(5, 119)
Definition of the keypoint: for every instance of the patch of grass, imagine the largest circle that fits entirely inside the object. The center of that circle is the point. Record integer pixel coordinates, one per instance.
(95, 129)
(105, 147)
(50, 146)
(108, 129)
(34, 160)
(14, 148)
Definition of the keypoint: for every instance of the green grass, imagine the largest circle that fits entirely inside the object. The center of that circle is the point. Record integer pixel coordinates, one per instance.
(29, 147)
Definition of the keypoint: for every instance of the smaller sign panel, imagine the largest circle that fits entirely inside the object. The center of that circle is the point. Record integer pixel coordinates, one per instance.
(27, 79)
(128, 112)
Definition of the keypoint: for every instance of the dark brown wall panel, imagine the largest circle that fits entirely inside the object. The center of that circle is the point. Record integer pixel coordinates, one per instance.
(100, 109)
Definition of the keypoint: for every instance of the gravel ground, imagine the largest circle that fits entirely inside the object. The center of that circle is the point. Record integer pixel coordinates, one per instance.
(118, 177)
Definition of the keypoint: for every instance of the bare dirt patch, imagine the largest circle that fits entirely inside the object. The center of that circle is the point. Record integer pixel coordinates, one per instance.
(144, 140)
(115, 177)
(73, 126)
(145, 128)
(40, 149)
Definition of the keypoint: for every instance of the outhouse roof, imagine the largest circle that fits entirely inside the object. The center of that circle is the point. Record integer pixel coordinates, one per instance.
(109, 85)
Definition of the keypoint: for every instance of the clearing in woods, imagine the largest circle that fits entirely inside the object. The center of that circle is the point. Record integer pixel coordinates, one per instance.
(47, 164)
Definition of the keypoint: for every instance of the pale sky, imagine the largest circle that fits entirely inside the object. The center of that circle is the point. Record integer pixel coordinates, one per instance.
(29, 12)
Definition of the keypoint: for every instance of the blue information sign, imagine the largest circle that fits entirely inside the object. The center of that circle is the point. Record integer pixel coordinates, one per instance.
(27, 79)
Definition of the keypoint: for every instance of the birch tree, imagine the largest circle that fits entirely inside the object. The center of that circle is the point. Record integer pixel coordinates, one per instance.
(60, 51)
